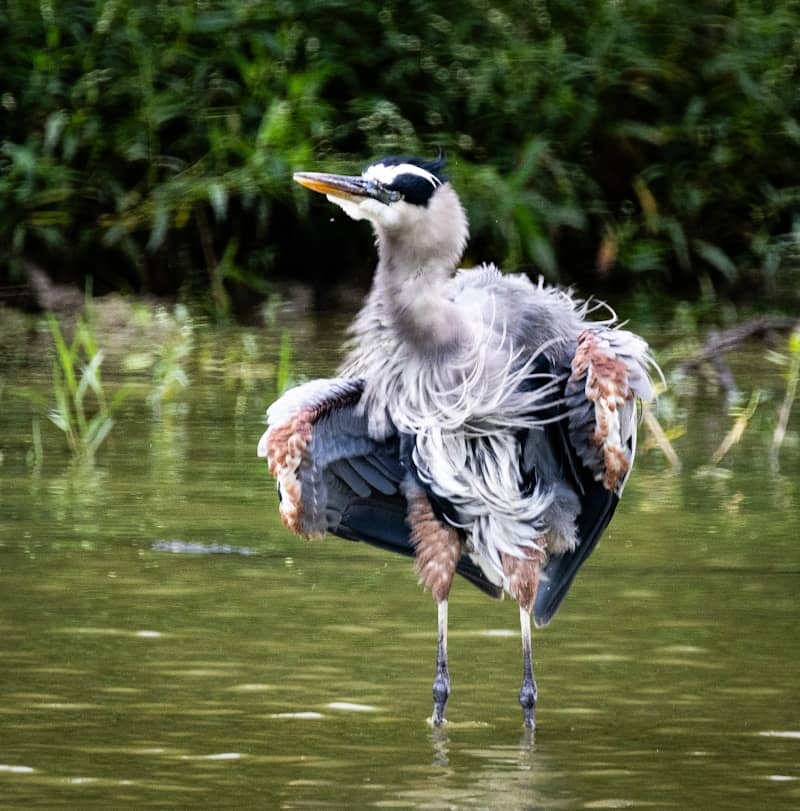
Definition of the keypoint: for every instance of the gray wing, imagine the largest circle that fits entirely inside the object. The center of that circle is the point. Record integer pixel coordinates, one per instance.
(332, 476)
(593, 448)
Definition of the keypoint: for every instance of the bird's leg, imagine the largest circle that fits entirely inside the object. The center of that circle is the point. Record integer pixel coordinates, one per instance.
(441, 685)
(522, 576)
(528, 692)
(438, 550)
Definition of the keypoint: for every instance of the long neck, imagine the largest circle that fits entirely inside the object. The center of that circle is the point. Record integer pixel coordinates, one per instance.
(411, 289)
(414, 269)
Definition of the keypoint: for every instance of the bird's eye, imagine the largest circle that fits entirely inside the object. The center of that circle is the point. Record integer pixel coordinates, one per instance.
(414, 188)
(385, 194)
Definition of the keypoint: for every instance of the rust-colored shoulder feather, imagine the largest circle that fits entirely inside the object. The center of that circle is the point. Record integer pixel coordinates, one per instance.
(608, 374)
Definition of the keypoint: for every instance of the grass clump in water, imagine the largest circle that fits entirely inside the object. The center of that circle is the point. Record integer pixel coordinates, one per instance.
(83, 411)
(169, 375)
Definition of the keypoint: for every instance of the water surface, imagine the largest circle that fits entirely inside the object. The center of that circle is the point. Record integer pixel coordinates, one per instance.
(165, 642)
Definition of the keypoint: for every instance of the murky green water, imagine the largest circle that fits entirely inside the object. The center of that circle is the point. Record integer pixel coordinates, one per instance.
(282, 673)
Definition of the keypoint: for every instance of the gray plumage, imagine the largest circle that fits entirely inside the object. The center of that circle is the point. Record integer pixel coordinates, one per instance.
(496, 403)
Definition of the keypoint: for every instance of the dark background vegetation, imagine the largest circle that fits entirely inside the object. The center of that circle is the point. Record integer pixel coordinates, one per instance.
(644, 145)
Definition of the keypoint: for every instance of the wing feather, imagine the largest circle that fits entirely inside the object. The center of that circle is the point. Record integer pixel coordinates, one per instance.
(334, 477)
(609, 372)
(594, 446)
(371, 473)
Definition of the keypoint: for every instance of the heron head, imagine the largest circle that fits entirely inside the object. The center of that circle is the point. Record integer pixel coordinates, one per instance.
(402, 196)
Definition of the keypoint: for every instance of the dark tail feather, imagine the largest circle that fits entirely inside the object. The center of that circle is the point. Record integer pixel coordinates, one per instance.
(561, 570)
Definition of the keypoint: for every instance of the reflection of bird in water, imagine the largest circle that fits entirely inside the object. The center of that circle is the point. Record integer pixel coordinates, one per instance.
(479, 422)
(440, 744)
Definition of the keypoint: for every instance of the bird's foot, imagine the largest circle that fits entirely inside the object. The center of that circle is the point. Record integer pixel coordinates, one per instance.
(527, 700)
(441, 692)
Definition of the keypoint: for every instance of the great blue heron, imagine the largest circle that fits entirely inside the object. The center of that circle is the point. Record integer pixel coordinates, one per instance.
(479, 422)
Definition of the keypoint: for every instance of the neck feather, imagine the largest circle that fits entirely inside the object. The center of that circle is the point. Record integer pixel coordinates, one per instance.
(414, 268)
(413, 291)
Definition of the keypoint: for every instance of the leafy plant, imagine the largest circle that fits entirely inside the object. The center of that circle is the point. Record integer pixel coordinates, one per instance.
(82, 411)
(651, 143)
(169, 376)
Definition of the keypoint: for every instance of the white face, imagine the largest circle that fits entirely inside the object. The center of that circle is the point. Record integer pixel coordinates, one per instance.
(359, 208)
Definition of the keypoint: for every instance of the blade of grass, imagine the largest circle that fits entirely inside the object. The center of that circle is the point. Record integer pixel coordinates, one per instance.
(660, 438)
(791, 394)
(64, 355)
(738, 428)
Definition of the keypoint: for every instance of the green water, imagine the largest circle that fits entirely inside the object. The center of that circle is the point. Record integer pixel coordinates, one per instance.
(292, 674)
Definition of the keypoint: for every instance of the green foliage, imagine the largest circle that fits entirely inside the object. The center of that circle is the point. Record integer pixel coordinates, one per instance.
(76, 374)
(129, 127)
(169, 376)
(153, 142)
